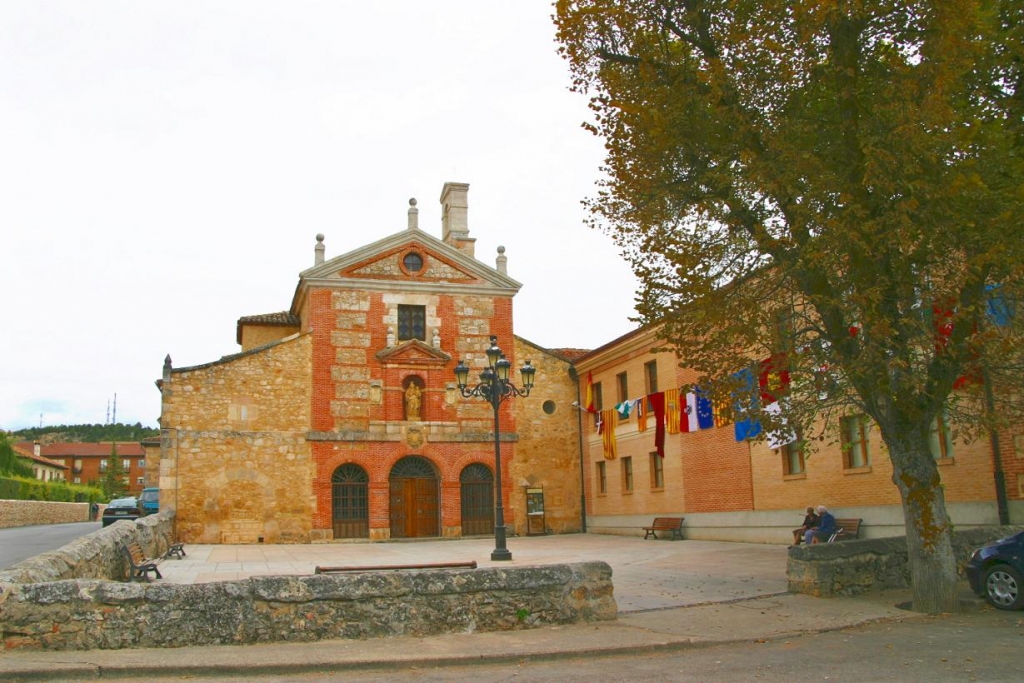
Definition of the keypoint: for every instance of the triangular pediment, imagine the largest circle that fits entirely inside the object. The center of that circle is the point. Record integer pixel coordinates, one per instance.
(413, 352)
(433, 267)
(384, 262)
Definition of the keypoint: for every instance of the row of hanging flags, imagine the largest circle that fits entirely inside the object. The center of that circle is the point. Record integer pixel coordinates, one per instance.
(689, 409)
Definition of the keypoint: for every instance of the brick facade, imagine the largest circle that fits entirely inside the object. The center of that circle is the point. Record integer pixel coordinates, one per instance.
(741, 490)
(282, 442)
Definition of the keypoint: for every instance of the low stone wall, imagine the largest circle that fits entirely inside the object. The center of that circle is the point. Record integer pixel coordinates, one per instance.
(29, 512)
(89, 614)
(94, 556)
(70, 599)
(854, 567)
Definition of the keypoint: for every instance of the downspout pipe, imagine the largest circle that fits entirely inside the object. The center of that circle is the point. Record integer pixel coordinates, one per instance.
(579, 433)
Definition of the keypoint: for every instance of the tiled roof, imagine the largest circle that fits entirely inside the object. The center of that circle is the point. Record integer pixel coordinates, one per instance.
(570, 354)
(280, 318)
(30, 454)
(76, 449)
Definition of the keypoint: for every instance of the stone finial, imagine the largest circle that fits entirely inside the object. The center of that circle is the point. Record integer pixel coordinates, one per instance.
(501, 263)
(414, 215)
(437, 338)
(391, 337)
(319, 258)
(167, 368)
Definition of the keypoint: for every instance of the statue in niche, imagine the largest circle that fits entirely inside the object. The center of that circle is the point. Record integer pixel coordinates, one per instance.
(413, 401)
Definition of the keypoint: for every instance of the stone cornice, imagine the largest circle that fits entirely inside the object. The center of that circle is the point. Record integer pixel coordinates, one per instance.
(363, 436)
(411, 286)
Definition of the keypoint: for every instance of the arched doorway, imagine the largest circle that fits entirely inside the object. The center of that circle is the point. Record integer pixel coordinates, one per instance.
(477, 486)
(414, 498)
(350, 509)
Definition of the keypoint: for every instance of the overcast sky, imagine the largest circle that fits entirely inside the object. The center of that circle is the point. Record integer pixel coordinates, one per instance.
(166, 168)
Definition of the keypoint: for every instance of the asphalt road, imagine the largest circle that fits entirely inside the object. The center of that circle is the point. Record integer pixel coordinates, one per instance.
(22, 542)
(980, 646)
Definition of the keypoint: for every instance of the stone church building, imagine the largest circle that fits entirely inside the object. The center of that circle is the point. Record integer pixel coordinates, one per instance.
(340, 417)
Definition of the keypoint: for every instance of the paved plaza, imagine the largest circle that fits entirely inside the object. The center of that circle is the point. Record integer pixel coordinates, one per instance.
(671, 595)
(647, 574)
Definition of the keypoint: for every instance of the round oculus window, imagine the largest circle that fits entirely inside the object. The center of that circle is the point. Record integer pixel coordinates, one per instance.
(413, 262)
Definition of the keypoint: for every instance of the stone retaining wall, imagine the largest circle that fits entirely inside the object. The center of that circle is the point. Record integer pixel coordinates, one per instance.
(71, 599)
(94, 556)
(29, 512)
(89, 614)
(859, 566)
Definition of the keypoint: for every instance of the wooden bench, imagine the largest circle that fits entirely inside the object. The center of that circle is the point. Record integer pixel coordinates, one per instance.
(382, 567)
(176, 550)
(141, 565)
(846, 529)
(673, 524)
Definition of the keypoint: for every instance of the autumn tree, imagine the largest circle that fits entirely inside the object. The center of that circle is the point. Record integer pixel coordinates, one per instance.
(839, 180)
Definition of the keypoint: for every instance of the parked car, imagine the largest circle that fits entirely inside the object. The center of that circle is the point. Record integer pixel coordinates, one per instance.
(996, 570)
(149, 501)
(121, 508)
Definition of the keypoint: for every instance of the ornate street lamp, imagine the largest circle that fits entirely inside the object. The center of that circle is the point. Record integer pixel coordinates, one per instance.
(495, 387)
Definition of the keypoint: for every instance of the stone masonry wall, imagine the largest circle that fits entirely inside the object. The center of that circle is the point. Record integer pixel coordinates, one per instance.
(94, 556)
(96, 614)
(235, 463)
(859, 566)
(28, 512)
(548, 451)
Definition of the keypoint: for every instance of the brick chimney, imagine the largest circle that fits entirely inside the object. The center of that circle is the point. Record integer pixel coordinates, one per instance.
(455, 217)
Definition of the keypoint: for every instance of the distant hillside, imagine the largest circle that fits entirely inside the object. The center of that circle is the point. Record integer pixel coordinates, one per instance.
(85, 433)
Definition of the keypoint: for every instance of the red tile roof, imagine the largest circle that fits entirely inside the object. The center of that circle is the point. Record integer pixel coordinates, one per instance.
(76, 449)
(30, 454)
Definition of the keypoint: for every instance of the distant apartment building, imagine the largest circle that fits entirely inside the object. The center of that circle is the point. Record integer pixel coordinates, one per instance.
(86, 463)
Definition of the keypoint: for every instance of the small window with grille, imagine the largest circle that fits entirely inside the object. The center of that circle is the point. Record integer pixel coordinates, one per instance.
(412, 322)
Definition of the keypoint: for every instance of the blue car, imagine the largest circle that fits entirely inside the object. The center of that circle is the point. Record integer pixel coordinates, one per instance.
(149, 501)
(996, 570)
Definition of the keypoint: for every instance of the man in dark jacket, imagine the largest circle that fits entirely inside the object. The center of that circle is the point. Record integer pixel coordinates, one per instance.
(826, 527)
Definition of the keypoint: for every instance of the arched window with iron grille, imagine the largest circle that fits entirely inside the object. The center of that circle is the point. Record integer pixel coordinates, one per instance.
(350, 509)
(477, 488)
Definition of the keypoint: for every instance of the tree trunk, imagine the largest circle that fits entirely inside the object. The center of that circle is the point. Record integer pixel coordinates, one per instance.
(932, 563)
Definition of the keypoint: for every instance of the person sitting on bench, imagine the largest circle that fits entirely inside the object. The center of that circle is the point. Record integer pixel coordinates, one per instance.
(810, 521)
(826, 527)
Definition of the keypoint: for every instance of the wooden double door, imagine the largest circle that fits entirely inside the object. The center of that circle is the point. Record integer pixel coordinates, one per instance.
(414, 508)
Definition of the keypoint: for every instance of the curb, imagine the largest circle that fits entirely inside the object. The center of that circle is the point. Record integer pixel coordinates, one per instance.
(129, 669)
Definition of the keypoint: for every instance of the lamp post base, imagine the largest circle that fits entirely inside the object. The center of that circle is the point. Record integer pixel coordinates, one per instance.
(501, 555)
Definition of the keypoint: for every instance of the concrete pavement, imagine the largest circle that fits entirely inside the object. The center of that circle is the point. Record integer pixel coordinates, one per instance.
(671, 595)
